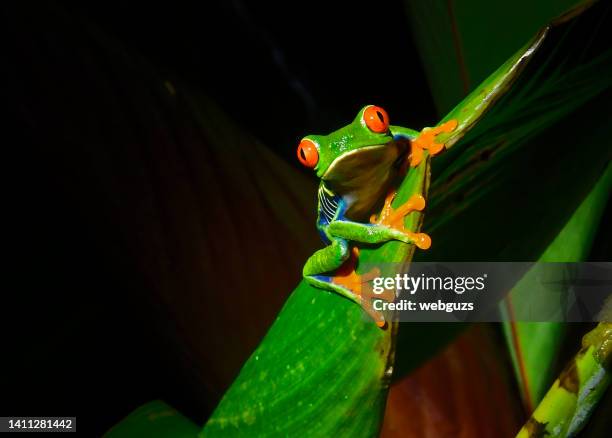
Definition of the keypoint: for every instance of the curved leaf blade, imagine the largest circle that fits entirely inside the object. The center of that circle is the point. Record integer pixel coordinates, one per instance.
(534, 346)
(455, 55)
(501, 154)
(324, 368)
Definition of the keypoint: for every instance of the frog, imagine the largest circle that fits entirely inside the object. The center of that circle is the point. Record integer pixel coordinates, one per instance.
(357, 166)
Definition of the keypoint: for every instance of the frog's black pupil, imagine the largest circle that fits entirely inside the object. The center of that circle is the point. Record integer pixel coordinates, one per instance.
(302, 154)
(380, 116)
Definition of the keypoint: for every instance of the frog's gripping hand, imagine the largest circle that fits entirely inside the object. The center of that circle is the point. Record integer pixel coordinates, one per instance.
(427, 141)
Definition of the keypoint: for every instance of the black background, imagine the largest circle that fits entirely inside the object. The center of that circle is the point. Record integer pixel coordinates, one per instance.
(78, 338)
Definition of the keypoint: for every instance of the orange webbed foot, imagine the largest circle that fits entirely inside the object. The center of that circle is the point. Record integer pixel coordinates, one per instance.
(394, 218)
(427, 141)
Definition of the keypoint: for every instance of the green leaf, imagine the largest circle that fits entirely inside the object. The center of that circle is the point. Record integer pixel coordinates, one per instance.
(495, 194)
(461, 43)
(511, 172)
(534, 346)
(324, 368)
(154, 420)
(558, 79)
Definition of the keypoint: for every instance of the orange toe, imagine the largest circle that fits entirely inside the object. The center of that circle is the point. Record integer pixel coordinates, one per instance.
(427, 141)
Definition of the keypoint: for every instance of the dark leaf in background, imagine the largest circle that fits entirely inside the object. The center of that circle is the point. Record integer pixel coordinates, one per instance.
(461, 43)
(573, 65)
(280, 70)
(163, 219)
(120, 203)
(505, 173)
(465, 391)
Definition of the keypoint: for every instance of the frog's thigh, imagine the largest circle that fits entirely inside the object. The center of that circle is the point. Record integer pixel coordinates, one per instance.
(327, 259)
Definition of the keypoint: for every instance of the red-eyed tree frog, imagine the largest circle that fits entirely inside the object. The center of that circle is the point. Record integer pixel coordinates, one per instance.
(358, 165)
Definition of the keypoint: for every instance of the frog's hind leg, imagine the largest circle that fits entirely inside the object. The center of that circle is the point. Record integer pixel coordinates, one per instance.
(327, 259)
(339, 259)
(318, 268)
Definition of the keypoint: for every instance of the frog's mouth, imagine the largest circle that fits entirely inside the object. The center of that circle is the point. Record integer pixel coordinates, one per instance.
(362, 177)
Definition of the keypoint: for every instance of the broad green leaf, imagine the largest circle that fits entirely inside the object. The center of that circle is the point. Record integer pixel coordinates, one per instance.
(507, 170)
(533, 346)
(495, 194)
(566, 80)
(324, 368)
(154, 420)
(568, 68)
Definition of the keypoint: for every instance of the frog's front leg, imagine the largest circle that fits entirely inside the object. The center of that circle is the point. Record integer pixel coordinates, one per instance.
(393, 218)
(333, 268)
(389, 225)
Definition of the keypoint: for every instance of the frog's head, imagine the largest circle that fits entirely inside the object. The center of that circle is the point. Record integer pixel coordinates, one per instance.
(359, 161)
(349, 148)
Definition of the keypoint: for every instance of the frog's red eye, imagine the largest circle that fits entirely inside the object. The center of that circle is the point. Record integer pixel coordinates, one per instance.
(376, 119)
(307, 153)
